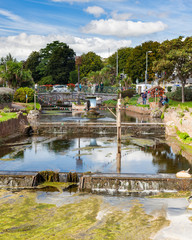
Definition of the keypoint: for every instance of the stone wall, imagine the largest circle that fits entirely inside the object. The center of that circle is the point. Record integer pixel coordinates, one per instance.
(14, 126)
(141, 110)
(174, 119)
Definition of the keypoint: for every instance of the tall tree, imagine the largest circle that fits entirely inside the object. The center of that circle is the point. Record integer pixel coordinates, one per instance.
(57, 60)
(136, 62)
(90, 62)
(176, 60)
(32, 64)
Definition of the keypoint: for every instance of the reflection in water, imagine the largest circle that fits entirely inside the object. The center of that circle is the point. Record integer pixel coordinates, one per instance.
(80, 154)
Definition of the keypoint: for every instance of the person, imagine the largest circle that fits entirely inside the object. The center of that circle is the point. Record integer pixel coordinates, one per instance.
(80, 87)
(161, 100)
(96, 87)
(144, 97)
(101, 86)
(165, 100)
(88, 105)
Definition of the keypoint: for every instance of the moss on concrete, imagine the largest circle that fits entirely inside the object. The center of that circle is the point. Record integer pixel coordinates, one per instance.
(23, 218)
(179, 194)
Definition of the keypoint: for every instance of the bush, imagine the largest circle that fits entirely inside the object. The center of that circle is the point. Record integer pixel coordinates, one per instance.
(128, 93)
(20, 95)
(6, 97)
(177, 95)
(169, 89)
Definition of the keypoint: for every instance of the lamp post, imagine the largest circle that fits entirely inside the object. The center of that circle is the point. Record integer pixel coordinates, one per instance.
(78, 61)
(146, 67)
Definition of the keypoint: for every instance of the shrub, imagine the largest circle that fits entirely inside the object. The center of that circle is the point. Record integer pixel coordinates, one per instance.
(128, 93)
(6, 97)
(20, 95)
(177, 95)
(169, 89)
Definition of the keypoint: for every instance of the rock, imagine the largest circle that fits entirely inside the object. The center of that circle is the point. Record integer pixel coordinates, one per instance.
(156, 113)
(183, 174)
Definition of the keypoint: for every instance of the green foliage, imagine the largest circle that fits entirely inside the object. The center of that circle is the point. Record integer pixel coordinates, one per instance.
(6, 97)
(15, 75)
(128, 93)
(57, 60)
(180, 114)
(184, 136)
(31, 64)
(110, 103)
(125, 101)
(20, 95)
(162, 115)
(6, 116)
(46, 80)
(73, 77)
(91, 62)
(177, 95)
(169, 88)
(175, 61)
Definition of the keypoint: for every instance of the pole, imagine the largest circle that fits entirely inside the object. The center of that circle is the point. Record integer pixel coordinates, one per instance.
(78, 85)
(35, 100)
(117, 71)
(118, 135)
(146, 69)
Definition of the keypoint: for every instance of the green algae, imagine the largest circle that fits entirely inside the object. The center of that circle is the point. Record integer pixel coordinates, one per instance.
(7, 159)
(179, 194)
(23, 218)
(60, 186)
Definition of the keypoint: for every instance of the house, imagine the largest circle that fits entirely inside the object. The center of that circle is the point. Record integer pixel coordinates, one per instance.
(142, 87)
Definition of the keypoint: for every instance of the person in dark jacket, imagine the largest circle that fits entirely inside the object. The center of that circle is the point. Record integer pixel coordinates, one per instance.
(88, 105)
(144, 97)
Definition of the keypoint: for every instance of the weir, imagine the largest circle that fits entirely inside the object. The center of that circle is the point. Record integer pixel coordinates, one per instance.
(150, 129)
(124, 184)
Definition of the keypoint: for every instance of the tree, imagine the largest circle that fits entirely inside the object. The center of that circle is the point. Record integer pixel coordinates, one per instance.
(123, 55)
(32, 64)
(136, 62)
(57, 60)
(15, 75)
(91, 62)
(176, 60)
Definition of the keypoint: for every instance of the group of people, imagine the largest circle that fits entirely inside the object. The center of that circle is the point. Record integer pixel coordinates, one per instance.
(163, 99)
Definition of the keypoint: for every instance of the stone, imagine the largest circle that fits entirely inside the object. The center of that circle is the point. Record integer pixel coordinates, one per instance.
(183, 174)
(156, 113)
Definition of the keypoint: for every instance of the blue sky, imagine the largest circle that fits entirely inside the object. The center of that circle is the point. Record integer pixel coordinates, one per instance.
(101, 26)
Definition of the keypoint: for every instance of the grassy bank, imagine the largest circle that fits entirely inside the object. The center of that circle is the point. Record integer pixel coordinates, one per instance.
(6, 116)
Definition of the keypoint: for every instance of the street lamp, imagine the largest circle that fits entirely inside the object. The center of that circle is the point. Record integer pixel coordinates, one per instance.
(146, 66)
(78, 62)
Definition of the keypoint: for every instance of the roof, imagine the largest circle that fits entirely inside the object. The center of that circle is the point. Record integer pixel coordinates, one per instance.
(155, 87)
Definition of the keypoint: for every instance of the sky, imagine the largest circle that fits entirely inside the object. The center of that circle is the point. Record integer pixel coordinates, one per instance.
(101, 26)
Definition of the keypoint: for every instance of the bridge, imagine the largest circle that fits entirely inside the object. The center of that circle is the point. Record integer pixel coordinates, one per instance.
(52, 98)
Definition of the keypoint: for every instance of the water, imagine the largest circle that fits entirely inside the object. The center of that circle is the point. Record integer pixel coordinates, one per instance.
(91, 153)
(106, 116)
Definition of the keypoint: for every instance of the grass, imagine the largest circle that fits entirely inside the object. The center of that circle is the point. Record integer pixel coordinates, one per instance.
(7, 116)
(30, 106)
(184, 136)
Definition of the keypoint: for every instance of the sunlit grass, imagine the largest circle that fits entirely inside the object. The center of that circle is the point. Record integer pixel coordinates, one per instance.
(6, 116)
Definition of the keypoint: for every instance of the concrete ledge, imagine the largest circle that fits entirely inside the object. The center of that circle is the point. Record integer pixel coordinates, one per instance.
(129, 183)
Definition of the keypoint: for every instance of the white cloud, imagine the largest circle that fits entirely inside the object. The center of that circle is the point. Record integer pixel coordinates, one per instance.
(20, 46)
(96, 11)
(121, 17)
(117, 28)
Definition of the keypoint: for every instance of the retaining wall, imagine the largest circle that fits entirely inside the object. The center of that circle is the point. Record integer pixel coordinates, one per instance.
(13, 126)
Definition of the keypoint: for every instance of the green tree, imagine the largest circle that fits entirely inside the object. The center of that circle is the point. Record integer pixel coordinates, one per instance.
(176, 60)
(123, 55)
(73, 77)
(15, 75)
(91, 62)
(136, 62)
(32, 64)
(57, 60)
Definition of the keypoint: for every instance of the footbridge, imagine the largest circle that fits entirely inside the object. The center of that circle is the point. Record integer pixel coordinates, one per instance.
(53, 98)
